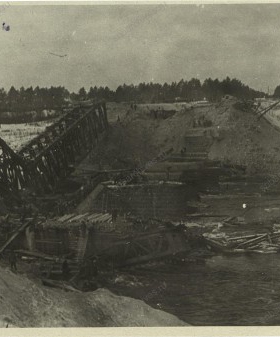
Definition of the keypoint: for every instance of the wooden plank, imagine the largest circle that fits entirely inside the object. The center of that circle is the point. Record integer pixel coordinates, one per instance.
(64, 217)
(95, 216)
(109, 217)
(258, 239)
(36, 255)
(245, 237)
(69, 217)
(49, 241)
(92, 216)
(98, 219)
(103, 217)
(92, 169)
(14, 235)
(78, 217)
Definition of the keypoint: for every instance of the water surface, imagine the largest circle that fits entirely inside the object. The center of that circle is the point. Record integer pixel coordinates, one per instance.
(226, 290)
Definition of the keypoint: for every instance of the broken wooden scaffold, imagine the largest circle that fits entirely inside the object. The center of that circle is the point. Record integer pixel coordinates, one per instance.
(46, 159)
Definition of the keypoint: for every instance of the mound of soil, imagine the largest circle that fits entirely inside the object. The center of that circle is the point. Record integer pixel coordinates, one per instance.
(26, 303)
(235, 133)
(248, 141)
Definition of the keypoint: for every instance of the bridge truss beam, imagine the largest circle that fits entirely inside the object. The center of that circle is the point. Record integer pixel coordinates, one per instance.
(46, 159)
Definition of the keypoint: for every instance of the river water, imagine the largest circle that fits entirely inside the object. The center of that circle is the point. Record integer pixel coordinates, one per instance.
(225, 290)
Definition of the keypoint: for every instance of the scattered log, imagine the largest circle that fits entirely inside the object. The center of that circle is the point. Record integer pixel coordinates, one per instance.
(239, 250)
(262, 251)
(245, 237)
(228, 219)
(92, 169)
(255, 240)
(254, 246)
(37, 255)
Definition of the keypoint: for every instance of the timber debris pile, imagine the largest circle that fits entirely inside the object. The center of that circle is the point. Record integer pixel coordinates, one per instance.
(264, 243)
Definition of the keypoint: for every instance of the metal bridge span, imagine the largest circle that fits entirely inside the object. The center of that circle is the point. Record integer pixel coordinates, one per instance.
(45, 159)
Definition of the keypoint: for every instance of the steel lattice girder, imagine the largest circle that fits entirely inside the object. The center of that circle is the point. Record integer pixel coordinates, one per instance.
(46, 158)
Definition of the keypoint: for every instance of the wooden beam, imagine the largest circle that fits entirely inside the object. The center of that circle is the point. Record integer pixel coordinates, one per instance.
(15, 235)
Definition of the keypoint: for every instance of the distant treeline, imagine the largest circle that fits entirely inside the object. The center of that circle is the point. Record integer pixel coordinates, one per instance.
(32, 99)
(193, 90)
(54, 98)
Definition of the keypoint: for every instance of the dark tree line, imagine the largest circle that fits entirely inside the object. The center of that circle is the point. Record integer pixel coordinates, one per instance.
(32, 99)
(193, 90)
(56, 97)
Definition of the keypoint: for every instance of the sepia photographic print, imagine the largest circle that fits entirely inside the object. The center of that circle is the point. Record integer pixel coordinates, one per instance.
(139, 165)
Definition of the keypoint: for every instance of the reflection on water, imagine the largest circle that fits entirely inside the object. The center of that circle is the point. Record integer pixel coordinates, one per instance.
(226, 290)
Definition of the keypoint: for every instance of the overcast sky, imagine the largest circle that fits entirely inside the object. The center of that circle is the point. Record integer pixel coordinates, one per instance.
(113, 44)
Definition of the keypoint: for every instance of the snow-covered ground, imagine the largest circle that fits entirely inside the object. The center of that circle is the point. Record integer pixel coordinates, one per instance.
(17, 135)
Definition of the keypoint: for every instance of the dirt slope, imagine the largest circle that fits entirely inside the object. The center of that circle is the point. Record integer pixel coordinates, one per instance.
(248, 141)
(236, 135)
(25, 303)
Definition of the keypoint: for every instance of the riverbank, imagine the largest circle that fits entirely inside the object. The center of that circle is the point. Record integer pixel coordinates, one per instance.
(26, 303)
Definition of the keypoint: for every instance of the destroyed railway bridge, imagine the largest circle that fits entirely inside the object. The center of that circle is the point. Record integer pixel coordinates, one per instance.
(46, 159)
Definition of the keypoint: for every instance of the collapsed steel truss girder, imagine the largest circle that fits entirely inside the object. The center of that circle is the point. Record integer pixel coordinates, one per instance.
(12, 168)
(45, 159)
